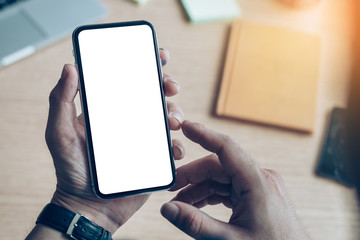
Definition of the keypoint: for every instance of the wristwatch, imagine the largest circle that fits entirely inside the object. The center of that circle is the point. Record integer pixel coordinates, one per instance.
(73, 225)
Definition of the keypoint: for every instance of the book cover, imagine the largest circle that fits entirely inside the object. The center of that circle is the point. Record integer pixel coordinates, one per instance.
(270, 76)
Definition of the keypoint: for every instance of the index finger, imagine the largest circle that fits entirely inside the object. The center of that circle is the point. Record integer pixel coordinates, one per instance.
(207, 168)
(235, 160)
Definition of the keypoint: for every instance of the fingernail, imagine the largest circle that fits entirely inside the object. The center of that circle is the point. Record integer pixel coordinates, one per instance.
(181, 150)
(64, 72)
(164, 49)
(184, 126)
(178, 117)
(170, 211)
(174, 83)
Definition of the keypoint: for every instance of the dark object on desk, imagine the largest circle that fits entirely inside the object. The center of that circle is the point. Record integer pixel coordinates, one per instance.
(332, 163)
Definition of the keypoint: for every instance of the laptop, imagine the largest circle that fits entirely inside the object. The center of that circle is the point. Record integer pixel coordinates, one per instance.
(27, 25)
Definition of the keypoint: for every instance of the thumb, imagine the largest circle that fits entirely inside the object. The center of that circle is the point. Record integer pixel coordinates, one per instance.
(193, 222)
(62, 108)
(66, 89)
(62, 96)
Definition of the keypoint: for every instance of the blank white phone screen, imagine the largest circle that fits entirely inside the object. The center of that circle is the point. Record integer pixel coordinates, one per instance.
(125, 108)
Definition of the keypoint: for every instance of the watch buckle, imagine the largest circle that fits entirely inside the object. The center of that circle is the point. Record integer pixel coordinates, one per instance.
(72, 225)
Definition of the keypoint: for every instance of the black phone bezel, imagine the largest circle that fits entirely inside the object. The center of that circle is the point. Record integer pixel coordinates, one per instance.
(89, 143)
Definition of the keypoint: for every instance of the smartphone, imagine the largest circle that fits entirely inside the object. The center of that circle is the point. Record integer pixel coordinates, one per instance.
(124, 108)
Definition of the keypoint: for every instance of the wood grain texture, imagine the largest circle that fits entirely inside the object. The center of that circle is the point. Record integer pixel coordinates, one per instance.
(27, 180)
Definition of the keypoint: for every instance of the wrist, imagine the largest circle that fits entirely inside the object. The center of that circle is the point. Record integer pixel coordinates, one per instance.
(41, 231)
(95, 212)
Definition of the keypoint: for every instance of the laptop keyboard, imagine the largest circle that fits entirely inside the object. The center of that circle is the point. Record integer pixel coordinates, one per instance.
(6, 3)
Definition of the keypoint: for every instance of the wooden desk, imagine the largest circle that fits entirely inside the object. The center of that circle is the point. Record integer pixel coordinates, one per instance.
(27, 179)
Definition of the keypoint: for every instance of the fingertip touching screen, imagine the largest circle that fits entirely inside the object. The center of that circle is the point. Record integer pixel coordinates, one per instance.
(123, 103)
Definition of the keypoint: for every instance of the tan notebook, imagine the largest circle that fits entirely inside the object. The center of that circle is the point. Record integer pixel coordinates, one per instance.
(270, 76)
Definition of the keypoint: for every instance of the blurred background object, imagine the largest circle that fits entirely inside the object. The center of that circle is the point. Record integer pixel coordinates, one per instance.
(300, 3)
(332, 162)
(271, 76)
(26, 26)
(140, 1)
(352, 122)
(205, 11)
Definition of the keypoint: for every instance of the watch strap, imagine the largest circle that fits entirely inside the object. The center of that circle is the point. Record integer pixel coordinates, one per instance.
(71, 224)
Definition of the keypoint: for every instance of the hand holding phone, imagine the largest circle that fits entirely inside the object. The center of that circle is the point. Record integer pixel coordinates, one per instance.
(65, 136)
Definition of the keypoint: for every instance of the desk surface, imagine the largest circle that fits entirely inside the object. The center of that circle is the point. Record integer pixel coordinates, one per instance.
(328, 210)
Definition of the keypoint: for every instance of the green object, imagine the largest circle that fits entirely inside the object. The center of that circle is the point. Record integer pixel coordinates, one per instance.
(140, 1)
(202, 11)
